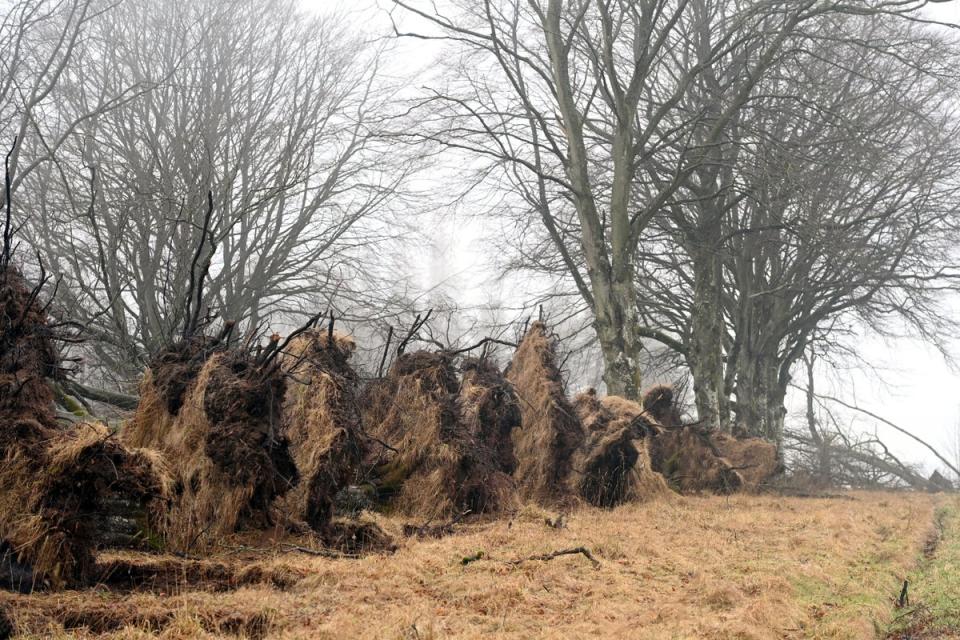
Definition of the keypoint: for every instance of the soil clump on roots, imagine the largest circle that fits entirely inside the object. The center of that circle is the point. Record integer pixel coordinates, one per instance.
(64, 490)
(613, 465)
(223, 445)
(550, 430)
(428, 461)
(321, 421)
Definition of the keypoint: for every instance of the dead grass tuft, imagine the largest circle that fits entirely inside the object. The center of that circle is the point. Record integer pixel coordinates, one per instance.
(644, 483)
(59, 486)
(222, 447)
(755, 460)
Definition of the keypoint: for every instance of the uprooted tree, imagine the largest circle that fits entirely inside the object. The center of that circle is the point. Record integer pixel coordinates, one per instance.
(64, 490)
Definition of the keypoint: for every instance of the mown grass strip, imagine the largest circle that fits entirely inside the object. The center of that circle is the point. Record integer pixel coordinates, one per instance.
(933, 610)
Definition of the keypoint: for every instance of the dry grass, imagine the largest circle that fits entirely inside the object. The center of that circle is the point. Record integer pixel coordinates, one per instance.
(209, 503)
(218, 446)
(716, 567)
(614, 432)
(754, 459)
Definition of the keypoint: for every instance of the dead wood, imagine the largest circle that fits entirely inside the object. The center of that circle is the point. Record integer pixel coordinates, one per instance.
(556, 554)
(428, 530)
(323, 553)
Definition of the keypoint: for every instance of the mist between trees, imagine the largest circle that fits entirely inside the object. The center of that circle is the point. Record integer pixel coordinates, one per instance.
(715, 190)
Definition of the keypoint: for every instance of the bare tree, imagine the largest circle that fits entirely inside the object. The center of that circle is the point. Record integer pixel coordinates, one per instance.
(40, 42)
(273, 112)
(848, 215)
(578, 105)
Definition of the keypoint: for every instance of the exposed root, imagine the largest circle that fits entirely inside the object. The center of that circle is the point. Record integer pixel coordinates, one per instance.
(223, 448)
(426, 462)
(688, 460)
(551, 432)
(321, 421)
(62, 490)
(755, 459)
(610, 413)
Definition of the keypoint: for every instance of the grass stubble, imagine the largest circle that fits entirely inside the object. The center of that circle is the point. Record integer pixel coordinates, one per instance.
(736, 566)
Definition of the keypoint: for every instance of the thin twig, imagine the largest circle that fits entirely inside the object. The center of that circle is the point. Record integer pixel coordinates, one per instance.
(556, 554)
(7, 235)
(386, 349)
(323, 553)
(483, 343)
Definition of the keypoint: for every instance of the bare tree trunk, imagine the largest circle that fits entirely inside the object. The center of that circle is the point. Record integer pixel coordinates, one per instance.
(616, 323)
(760, 397)
(705, 348)
(823, 450)
(610, 272)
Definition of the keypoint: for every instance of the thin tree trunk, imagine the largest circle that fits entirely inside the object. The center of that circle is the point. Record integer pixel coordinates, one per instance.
(705, 350)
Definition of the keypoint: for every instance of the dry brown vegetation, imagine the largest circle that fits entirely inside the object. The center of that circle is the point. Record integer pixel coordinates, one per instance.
(57, 482)
(710, 567)
(432, 463)
(240, 454)
(321, 421)
(550, 432)
(227, 462)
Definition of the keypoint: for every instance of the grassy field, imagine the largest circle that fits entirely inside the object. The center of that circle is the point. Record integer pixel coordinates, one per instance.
(934, 593)
(714, 567)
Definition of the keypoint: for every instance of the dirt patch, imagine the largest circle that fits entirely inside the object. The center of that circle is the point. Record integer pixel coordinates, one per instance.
(933, 539)
(550, 430)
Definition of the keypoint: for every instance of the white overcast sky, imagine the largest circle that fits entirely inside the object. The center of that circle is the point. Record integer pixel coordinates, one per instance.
(912, 385)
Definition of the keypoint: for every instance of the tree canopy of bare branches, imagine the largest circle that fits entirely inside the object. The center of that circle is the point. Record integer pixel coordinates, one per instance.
(725, 178)
(274, 113)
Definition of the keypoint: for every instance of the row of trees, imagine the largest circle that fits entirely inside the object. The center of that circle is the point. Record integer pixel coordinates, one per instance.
(738, 181)
(739, 184)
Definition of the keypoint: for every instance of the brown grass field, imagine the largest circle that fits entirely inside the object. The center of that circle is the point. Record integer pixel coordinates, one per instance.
(712, 567)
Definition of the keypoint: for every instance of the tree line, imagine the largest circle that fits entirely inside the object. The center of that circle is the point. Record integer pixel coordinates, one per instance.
(742, 184)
